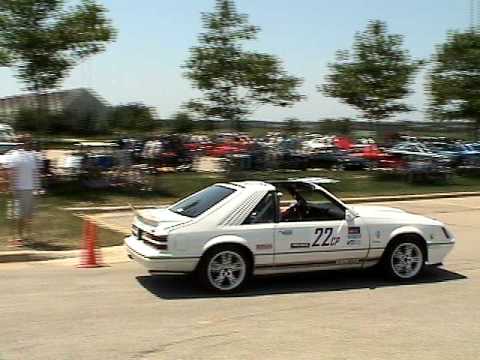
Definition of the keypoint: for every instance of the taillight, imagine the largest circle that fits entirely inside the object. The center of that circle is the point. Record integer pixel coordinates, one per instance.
(158, 242)
(135, 231)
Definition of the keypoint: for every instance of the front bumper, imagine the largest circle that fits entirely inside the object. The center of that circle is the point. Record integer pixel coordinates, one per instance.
(157, 262)
(438, 251)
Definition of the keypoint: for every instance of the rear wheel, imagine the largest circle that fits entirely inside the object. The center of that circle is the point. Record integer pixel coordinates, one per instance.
(405, 260)
(224, 269)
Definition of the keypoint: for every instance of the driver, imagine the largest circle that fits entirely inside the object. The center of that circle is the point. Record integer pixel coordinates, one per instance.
(297, 211)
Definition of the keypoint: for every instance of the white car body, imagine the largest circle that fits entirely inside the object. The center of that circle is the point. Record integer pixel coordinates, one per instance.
(174, 243)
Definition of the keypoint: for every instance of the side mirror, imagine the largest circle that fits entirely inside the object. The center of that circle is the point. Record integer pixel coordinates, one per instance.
(349, 215)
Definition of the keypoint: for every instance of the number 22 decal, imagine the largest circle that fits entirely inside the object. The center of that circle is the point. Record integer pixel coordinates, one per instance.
(325, 238)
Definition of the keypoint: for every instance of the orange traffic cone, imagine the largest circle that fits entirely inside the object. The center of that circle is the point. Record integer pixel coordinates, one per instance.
(91, 257)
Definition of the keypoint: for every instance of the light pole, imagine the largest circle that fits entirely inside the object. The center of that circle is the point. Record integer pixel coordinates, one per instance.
(474, 14)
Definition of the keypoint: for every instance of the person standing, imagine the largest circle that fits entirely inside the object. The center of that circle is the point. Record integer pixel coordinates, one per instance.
(23, 176)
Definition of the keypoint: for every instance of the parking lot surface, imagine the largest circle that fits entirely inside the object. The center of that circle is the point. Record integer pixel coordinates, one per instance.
(55, 311)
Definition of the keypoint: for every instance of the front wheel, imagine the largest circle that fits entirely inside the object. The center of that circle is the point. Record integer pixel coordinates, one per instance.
(224, 269)
(405, 260)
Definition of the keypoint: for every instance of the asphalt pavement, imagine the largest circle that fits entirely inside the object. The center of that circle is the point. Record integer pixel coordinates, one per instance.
(52, 310)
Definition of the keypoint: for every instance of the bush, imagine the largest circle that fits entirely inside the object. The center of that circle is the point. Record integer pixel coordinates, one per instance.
(133, 116)
(341, 126)
(44, 121)
(182, 123)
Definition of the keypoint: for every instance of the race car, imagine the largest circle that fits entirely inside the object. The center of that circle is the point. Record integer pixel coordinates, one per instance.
(228, 232)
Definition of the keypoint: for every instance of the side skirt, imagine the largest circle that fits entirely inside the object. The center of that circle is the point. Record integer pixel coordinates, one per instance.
(332, 265)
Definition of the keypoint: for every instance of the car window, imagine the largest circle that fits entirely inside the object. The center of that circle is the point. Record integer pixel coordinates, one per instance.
(200, 202)
(264, 212)
(317, 207)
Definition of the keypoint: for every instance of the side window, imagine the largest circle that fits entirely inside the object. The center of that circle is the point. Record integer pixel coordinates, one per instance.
(312, 206)
(322, 208)
(264, 212)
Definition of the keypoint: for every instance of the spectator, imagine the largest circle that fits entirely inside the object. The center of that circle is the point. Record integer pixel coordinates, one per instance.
(23, 176)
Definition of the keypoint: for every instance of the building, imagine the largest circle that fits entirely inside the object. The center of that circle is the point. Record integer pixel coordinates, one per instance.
(75, 101)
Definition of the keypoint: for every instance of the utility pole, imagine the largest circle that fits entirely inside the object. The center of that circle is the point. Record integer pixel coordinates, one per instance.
(474, 14)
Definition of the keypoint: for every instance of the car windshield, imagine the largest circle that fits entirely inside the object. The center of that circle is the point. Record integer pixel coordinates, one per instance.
(5, 135)
(200, 202)
(448, 147)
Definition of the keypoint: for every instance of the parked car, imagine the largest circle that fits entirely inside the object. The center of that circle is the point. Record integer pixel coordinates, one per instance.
(7, 146)
(411, 151)
(369, 152)
(230, 231)
(459, 154)
(7, 135)
(337, 159)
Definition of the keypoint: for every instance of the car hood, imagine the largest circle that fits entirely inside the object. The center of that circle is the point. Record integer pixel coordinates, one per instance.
(391, 215)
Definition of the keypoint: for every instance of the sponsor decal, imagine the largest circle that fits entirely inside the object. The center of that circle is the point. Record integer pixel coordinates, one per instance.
(354, 235)
(354, 242)
(354, 230)
(299, 245)
(325, 237)
(264, 247)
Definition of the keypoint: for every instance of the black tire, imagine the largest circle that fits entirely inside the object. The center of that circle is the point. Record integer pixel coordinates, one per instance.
(399, 265)
(206, 276)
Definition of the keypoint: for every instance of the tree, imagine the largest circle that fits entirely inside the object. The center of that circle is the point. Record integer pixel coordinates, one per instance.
(3, 58)
(133, 116)
(455, 79)
(292, 125)
(233, 80)
(43, 40)
(341, 126)
(85, 122)
(375, 76)
(207, 125)
(182, 123)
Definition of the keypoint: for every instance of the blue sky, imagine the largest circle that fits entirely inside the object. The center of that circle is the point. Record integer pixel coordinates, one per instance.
(144, 64)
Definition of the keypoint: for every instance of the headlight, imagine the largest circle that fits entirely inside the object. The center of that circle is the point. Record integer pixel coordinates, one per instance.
(446, 233)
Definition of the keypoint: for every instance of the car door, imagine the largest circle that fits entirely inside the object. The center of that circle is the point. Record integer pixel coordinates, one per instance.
(258, 230)
(322, 240)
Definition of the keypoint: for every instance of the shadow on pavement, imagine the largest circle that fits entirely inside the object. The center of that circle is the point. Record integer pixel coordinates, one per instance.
(44, 246)
(184, 287)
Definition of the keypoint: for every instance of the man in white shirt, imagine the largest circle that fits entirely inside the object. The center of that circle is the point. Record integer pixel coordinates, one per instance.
(23, 174)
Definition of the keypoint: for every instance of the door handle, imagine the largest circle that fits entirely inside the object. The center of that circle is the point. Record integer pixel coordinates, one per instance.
(286, 232)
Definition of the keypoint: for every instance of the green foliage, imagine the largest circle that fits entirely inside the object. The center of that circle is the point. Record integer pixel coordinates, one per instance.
(182, 123)
(292, 125)
(207, 125)
(32, 120)
(3, 58)
(455, 79)
(233, 80)
(48, 122)
(86, 122)
(134, 116)
(43, 40)
(375, 76)
(341, 126)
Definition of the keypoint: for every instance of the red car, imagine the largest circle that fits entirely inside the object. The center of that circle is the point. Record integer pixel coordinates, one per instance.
(222, 150)
(371, 153)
